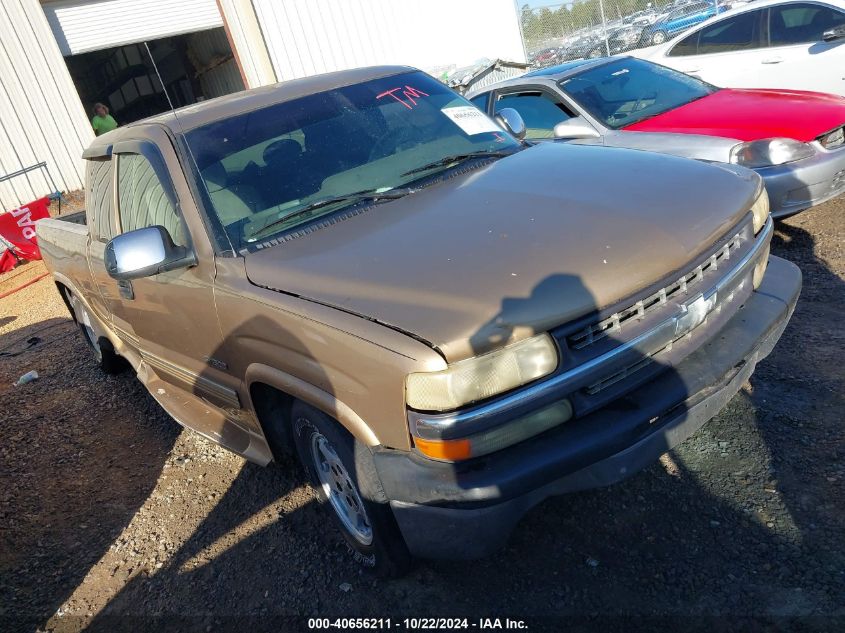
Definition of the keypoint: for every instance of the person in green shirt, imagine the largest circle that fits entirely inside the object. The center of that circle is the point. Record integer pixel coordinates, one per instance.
(102, 122)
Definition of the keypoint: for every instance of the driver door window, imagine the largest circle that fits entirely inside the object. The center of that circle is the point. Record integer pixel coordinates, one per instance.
(143, 201)
(540, 111)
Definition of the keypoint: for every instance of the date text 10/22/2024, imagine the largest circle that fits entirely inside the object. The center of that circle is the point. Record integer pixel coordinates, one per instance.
(413, 624)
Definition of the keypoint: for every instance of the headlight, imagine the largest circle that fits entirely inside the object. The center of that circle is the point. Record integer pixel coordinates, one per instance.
(834, 139)
(760, 211)
(497, 438)
(483, 376)
(770, 151)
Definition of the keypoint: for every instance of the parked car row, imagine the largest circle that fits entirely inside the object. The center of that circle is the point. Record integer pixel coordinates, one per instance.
(750, 44)
(640, 29)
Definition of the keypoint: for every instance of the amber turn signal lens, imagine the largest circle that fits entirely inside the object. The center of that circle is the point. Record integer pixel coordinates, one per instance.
(448, 450)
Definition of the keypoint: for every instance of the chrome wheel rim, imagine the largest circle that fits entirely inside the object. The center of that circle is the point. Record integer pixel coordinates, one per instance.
(340, 490)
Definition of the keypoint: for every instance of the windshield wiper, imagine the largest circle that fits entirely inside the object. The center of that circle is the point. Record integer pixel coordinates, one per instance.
(350, 198)
(457, 158)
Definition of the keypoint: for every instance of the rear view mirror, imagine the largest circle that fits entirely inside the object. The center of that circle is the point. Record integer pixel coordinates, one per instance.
(834, 34)
(511, 121)
(575, 128)
(145, 252)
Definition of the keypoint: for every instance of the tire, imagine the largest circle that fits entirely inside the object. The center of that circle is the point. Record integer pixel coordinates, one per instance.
(107, 360)
(342, 471)
(659, 37)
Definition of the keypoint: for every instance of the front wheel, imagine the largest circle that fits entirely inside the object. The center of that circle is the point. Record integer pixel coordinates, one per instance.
(341, 469)
(659, 37)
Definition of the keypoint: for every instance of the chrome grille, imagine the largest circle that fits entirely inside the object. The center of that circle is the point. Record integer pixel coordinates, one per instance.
(639, 310)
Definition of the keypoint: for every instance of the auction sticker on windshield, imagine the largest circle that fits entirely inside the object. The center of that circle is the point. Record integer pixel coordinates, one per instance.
(471, 120)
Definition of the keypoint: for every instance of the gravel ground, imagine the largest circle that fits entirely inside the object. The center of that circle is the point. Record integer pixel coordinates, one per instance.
(112, 516)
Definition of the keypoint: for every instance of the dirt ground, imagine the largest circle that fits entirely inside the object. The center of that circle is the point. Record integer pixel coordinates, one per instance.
(113, 517)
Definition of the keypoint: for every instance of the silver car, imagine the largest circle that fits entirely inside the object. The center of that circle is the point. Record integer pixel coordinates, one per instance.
(794, 140)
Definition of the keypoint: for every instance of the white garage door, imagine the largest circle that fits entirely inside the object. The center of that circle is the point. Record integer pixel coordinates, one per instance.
(81, 26)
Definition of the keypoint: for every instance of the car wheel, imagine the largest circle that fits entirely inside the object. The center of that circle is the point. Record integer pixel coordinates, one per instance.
(593, 54)
(342, 471)
(107, 360)
(659, 37)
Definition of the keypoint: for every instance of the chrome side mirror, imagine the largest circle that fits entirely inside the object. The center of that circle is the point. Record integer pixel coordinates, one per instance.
(834, 34)
(575, 128)
(511, 121)
(144, 253)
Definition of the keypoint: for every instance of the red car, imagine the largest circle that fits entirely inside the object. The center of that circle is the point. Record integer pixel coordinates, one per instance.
(794, 140)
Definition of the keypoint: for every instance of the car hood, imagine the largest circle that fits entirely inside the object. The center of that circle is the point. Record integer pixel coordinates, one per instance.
(749, 115)
(494, 254)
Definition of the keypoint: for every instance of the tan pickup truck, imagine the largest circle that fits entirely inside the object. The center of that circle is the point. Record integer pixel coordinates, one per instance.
(446, 325)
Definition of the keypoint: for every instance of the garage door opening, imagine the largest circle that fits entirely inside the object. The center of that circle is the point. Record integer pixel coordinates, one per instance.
(194, 67)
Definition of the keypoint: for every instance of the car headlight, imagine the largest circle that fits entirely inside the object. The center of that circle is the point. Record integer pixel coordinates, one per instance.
(496, 438)
(760, 210)
(834, 139)
(770, 151)
(482, 377)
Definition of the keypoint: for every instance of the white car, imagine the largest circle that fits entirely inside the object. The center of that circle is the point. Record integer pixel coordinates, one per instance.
(795, 44)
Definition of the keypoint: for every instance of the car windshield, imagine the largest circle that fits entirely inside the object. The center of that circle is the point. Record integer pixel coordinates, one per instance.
(281, 166)
(629, 90)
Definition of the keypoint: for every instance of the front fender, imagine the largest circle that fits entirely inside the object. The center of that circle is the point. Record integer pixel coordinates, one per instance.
(316, 397)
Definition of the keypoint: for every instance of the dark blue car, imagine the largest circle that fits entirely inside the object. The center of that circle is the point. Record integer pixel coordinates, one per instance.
(679, 20)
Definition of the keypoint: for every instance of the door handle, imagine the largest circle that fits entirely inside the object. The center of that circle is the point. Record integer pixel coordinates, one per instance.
(124, 287)
(772, 60)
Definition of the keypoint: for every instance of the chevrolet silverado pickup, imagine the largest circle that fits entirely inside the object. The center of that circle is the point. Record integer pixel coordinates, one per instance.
(445, 325)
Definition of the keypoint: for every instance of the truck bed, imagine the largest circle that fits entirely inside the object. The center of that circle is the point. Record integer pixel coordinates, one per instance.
(63, 242)
(74, 218)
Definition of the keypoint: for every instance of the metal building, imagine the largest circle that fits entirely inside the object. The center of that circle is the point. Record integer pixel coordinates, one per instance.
(59, 57)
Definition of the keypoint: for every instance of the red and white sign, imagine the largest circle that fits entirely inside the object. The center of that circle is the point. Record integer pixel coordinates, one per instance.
(17, 227)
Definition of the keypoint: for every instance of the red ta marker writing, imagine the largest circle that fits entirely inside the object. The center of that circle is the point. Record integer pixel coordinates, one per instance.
(409, 93)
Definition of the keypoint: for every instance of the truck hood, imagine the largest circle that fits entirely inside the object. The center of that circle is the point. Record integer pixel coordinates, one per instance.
(750, 115)
(525, 243)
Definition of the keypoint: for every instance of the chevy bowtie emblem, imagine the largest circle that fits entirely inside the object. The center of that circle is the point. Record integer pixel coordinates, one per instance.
(694, 314)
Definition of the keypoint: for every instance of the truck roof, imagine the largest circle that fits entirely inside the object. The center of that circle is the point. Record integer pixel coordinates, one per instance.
(198, 114)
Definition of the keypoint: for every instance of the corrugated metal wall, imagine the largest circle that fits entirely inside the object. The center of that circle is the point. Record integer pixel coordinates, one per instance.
(41, 118)
(305, 37)
(82, 25)
(248, 42)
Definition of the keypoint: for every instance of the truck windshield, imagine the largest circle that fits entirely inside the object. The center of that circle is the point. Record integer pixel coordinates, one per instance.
(629, 90)
(271, 170)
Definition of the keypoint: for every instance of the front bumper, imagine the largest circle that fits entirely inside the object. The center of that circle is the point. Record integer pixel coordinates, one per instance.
(797, 186)
(468, 510)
